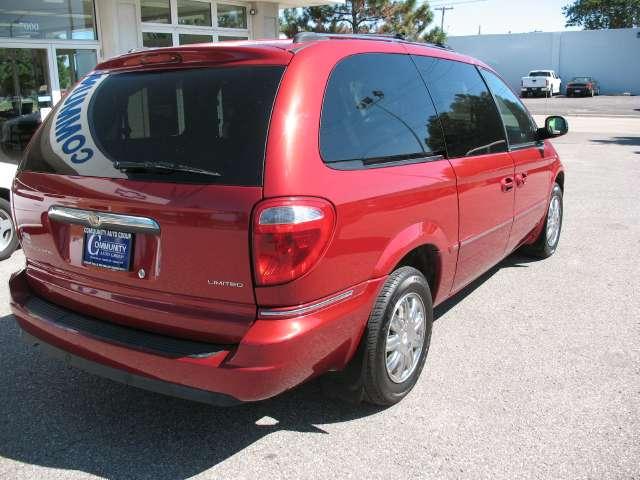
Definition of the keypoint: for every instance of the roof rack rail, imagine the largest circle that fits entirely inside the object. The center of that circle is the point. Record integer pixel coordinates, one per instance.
(302, 37)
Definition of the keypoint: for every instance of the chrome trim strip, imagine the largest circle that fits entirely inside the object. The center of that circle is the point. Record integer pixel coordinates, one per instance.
(95, 219)
(309, 308)
(531, 208)
(469, 240)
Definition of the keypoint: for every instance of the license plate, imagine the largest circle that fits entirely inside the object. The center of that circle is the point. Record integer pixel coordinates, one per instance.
(107, 248)
(578, 91)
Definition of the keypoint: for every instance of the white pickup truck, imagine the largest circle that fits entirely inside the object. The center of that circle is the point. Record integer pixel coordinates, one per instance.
(540, 82)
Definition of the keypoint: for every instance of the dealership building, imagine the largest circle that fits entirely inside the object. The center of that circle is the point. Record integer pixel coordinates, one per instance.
(46, 45)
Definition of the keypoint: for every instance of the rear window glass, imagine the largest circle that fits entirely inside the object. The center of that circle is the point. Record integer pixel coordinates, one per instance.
(377, 108)
(539, 74)
(205, 125)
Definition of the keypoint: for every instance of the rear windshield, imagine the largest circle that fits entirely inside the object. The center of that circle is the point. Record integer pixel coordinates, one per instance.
(539, 74)
(206, 125)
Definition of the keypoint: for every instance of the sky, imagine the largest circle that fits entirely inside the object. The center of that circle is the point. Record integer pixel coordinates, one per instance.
(501, 16)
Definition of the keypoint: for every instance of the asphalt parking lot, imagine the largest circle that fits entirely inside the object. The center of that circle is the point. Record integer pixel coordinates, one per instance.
(604, 105)
(533, 372)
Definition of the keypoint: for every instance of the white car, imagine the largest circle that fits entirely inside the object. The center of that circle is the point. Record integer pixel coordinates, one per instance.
(8, 237)
(540, 82)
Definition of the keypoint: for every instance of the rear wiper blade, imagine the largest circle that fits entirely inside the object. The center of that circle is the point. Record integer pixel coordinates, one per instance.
(166, 166)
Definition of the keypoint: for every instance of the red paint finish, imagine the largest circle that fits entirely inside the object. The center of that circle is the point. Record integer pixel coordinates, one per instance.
(486, 190)
(462, 208)
(534, 167)
(273, 356)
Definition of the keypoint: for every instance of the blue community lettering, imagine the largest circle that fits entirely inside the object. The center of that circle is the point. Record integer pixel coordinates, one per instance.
(68, 128)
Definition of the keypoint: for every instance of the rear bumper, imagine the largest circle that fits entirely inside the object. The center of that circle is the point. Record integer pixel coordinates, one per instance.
(579, 91)
(273, 356)
(535, 89)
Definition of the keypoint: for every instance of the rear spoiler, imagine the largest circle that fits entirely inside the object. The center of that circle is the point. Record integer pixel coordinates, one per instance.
(199, 55)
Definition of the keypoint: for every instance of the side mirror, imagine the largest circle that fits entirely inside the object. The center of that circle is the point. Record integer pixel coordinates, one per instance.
(554, 126)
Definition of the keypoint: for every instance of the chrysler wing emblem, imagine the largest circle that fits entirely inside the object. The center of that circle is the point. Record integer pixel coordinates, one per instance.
(94, 220)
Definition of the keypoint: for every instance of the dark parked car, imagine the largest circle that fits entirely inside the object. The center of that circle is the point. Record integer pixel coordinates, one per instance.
(224, 222)
(583, 87)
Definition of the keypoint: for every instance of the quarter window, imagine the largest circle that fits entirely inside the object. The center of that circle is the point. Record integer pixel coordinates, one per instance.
(156, 39)
(187, 38)
(193, 12)
(465, 107)
(47, 19)
(376, 108)
(155, 11)
(181, 22)
(232, 16)
(517, 122)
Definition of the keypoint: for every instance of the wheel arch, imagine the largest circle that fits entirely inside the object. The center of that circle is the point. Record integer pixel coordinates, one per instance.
(560, 180)
(420, 246)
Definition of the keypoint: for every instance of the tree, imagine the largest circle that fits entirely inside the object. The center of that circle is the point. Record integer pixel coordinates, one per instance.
(599, 14)
(406, 17)
(411, 20)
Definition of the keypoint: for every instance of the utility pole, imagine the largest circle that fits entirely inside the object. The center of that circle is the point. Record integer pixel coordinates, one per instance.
(443, 9)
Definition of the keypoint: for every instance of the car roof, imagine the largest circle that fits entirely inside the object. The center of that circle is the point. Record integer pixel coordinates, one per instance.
(271, 51)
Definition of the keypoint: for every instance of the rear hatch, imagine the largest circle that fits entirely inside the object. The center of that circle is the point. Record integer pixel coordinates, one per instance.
(134, 198)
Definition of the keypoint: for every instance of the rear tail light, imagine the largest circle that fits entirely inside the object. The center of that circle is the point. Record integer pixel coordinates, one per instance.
(589, 85)
(289, 236)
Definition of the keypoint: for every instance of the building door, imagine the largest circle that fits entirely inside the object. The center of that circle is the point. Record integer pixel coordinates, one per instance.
(25, 98)
(45, 47)
(32, 81)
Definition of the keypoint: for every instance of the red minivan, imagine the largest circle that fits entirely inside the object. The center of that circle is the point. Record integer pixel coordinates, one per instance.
(223, 222)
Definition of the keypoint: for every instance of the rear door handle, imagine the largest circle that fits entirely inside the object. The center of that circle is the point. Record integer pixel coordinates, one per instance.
(521, 179)
(507, 184)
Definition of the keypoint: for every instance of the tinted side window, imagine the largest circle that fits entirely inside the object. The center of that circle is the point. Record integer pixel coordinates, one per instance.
(466, 108)
(376, 107)
(519, 126)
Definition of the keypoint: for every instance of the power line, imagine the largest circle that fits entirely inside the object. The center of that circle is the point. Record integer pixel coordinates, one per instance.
(443, 7)
(463, 2)
(443, 10)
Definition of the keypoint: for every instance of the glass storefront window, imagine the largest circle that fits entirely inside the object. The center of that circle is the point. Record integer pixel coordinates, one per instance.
(189, 38)
(155, 11)
(73, 64)
(59, 19)
(25, 97)
(223, 38)
(193, 12)
(155, 39)
(232, 16)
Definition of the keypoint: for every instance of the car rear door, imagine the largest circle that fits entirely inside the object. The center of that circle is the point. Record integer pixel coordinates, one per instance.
(477, 150)
(532, 161)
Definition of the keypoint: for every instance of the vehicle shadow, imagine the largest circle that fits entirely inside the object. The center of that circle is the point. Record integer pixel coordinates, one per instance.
(515, 260)
(58, 417)
(633, 141)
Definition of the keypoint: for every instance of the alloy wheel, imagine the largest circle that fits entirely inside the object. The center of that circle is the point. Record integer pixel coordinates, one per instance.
(405, 337)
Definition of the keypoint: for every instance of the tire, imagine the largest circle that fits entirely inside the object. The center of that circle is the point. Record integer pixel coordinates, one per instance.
(8, 237)
(406, 289)
(547, 242)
